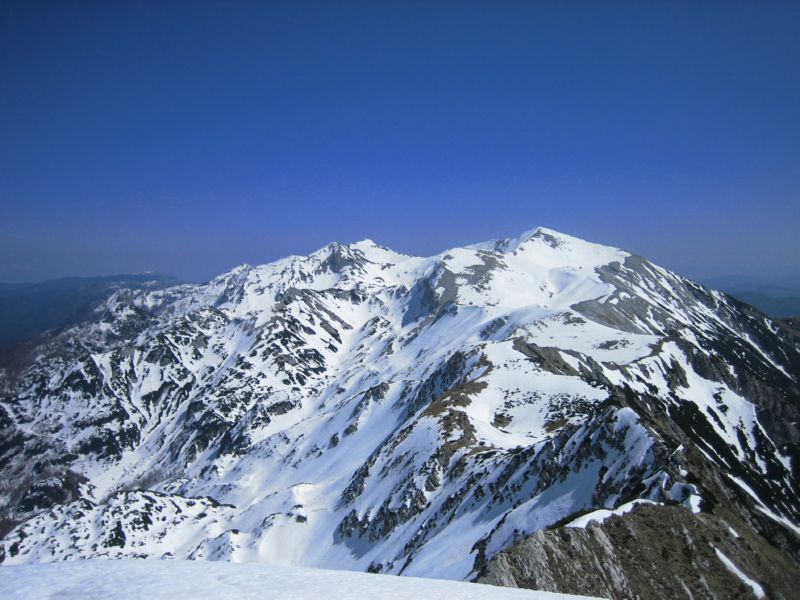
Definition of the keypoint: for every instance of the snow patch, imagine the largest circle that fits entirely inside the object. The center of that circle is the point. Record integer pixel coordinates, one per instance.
(753, 585)
(599, 516)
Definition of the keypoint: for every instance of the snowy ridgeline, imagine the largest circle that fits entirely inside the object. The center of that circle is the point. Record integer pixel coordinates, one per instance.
(175, 580)
(365, 410)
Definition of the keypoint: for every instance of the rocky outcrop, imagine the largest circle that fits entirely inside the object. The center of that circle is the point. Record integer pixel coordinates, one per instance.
(651, 552)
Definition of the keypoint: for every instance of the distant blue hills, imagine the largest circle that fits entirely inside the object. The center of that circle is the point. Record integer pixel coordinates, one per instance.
(778, 299)
(29, 309)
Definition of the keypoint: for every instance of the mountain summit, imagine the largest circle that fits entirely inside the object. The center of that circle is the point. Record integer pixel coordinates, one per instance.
(538, 412)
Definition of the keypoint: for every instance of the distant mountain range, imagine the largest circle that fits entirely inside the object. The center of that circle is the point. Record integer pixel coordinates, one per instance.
(775, 307)
(778, 300)
(537, 412)
(28, 309)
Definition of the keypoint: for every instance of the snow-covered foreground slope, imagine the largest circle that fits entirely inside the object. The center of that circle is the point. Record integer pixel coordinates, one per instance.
(189, 580)
(362, 409)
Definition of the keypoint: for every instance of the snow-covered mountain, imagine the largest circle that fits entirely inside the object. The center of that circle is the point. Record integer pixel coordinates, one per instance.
(363, 409)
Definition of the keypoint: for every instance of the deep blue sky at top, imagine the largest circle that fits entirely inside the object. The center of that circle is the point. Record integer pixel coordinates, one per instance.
(189, 137)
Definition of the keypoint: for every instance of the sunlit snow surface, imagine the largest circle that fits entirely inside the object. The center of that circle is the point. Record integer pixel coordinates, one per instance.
(598, 516)
(178, 580)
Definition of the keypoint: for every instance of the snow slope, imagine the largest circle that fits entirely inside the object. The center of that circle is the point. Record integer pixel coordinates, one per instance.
(189, 580)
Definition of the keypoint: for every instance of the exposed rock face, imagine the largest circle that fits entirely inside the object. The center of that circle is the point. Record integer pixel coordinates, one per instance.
(792, 326)
(362, 409)
(651, 552)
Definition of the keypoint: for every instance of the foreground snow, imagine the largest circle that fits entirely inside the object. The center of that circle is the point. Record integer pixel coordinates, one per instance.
(153, 579)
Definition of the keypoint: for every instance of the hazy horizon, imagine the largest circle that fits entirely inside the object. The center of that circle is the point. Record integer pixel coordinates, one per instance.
(721, 279)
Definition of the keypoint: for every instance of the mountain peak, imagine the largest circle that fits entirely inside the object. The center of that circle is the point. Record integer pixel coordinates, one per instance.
(365, 243)
(552, 249)
(541, 231)
(377, 253)
(551, 237)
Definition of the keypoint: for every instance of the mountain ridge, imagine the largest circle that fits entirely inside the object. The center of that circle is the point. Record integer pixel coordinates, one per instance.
(359, 408)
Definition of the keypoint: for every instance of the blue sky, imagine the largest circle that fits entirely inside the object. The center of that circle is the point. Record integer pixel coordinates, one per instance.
(189, 137)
